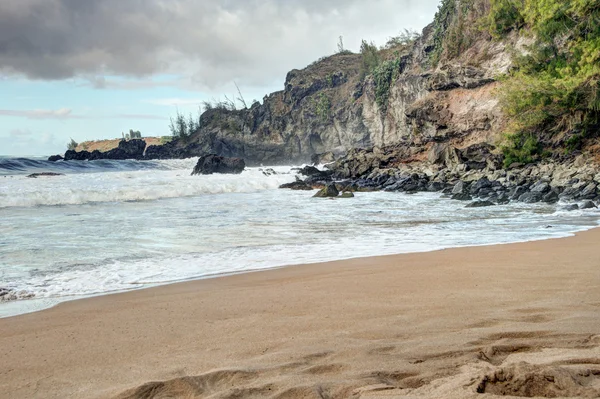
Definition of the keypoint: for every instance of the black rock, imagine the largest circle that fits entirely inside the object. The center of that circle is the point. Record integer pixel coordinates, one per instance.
(127, 149)
(72, 155)
(54, 158)
(297, 185)
(531, 197)
(569, 193)
(462, 197)
(588, 192)
(435, 186)
(588, 205)
(540, 187)
(43, 174)
(502, 199)
(268, 172)
(516, 192)
(329, 191)
(210, 164)
(347, 194)
(551, 197)
(572, 207)
(309, 171)
(480, 184)
(459, 188)
(480, 204)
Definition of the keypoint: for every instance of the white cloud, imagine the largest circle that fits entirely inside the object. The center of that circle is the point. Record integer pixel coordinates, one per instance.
(62, 113)
(174, 102)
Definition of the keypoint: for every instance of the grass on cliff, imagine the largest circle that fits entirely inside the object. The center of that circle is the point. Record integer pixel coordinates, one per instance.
(554, 90)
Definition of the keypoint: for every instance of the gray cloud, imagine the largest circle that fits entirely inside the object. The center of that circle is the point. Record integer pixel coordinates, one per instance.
(209, 43)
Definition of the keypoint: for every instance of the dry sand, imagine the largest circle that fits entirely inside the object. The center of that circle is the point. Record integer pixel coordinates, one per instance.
(522, 319)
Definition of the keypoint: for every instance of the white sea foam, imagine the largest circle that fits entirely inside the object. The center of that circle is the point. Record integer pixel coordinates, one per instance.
(139, 185)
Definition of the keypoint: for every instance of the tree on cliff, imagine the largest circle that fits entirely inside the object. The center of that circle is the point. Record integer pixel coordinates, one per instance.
(71, 145)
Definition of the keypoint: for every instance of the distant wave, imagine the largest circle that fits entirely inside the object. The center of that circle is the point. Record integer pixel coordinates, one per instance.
(125, 183)
(15, 166)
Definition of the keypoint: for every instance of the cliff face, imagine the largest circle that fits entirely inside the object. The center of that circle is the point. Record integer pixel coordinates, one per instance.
(334, 105)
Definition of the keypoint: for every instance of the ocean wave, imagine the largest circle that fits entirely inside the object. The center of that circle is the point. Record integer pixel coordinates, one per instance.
(19, 166)
(128, 186)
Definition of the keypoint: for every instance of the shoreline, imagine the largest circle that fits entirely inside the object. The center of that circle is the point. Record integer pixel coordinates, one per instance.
(56, 301)
(368, 327)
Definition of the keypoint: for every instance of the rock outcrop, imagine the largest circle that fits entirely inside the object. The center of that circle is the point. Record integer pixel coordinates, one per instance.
(209, 164)
(127, 149)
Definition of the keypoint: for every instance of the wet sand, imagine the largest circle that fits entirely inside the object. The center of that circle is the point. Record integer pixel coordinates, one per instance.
(520, 319)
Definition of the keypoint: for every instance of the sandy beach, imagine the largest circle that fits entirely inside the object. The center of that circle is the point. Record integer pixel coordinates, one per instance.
(519, 319)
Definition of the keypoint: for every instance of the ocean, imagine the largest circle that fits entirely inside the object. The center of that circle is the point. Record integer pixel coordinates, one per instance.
(111, 226)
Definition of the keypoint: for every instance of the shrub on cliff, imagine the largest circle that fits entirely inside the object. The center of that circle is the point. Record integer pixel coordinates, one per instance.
(554, 89)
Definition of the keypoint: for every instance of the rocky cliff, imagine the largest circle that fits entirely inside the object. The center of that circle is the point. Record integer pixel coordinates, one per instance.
(434, 98)
(336, 105)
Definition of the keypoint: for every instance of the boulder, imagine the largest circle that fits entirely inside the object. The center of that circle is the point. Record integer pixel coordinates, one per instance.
(540, 187)
(72, 155)
(211, 163)
(330, 191)
(347, 194)
(588, 205)
(297, 185)
(54, 158)
(481, 184)
(435, 186)
(480, 204)
(459, 188)
(588, 192)
(572, 207)
(462, 197)
(531, 197)
(309, 171)
(551, 197)
(516, 192)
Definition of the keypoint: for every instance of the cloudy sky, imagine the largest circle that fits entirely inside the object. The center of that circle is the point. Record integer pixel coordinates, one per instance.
(90, 69)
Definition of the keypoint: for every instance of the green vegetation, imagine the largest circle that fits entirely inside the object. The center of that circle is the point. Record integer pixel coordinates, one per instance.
(370, 58)
(384, 76)
(340, 46)
(183, 128)
(322, 106)
(404, 39)
(504, 16)
(133, 134)
(521, 148)
(554, 90)
(441, 23)
(384, 73)
(165, 139)
(71, 145)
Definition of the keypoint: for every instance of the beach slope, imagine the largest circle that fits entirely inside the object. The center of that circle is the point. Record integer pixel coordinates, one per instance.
(519, 319)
